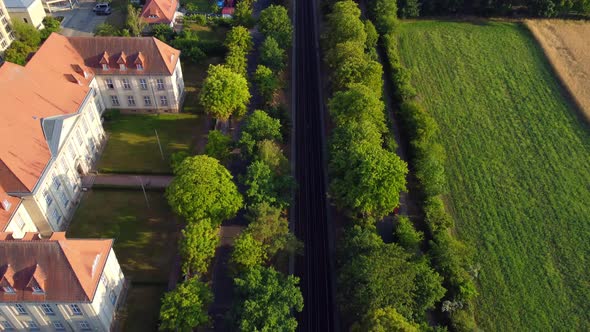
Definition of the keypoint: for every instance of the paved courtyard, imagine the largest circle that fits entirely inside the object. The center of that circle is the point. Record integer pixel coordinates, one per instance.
(81, 20)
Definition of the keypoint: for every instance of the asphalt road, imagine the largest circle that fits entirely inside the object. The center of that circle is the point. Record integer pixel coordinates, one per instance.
(311, 222)
(81, 20)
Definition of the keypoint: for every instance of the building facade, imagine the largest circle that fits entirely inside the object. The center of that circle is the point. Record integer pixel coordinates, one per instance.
(6, 35)
(58, 284)
(54, 104)
(27, 11)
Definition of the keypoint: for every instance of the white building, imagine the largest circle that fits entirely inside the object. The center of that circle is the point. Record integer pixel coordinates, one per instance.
(58, 284)
(6, 36)
(27, 11)
(50, 128)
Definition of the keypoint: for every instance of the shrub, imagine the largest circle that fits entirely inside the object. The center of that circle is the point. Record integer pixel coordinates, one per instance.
(407, 237)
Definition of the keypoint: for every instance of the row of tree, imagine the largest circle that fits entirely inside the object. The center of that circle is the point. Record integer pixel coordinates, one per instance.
(451, 258)
(381, 286)
(28, 39)
(542, 8)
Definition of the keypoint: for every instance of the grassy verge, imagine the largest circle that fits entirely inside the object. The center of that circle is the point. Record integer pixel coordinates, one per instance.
(517, 169)
(133, 146)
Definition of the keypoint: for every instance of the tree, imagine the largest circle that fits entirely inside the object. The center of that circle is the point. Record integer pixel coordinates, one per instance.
(359, 70)
(385, 14)
(263, 185)
(270, 153)
(134, 21)
(274, 22)
(270, 227)
(218, 145)
(243, 14)
(340, 52)
(105, 29)
(267, 83)
(197, 246)
(344, 24)
(409, 8)
(224, 93)
(163, 32)
(18, 52)
(239, 38)
(261, 126)
(27, 34)
(272, 55)
(406, 236)
(369, 186)
(176, 159)
(372, 35)
(247, 253)
(185, 307)
(203, 188)
(356, 104)
(268, 300)
(187, 42)
(51, 25)
(236, 61)
(385, 320)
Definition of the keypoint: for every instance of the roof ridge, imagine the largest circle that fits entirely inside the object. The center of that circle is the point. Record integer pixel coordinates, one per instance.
(59, 244)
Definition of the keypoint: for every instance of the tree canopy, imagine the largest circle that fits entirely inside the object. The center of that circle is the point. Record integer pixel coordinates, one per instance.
(270, 227)
(272, 55)
(356, 104)
(267, 83)
(262, 126)
(268, 300)
(264, 185)
(224, 92)
(274, 21)
(385, 320)
(247, 252)
(218, 145)
(203, 188)
(197, 246)
(344, 24)
(239, 38)
(186, 307)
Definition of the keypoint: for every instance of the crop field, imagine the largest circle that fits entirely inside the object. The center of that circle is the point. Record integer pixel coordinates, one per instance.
(567, 46)
(518, 169)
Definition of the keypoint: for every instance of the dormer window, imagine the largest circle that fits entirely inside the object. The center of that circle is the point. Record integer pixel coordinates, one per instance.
(153, 16)
(122, 66)
(139, 66)
(105, 66)
(8, 289)
(37, 290)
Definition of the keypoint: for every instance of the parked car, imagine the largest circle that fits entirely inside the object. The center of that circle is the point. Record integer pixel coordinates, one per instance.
(102, 9)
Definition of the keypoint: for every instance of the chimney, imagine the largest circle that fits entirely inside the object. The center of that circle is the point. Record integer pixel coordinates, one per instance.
(6, 236)
(31, 236)
(57, 236)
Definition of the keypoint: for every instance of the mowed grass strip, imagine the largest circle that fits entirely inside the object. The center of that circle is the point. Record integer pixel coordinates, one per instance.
(145, 237)
(133, 146)
(518, 169)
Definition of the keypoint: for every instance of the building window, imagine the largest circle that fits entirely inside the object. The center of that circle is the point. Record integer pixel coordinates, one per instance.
(92, 145)
(130, 100)
(56, 216)
(58, 325)
(56, 182)
(79, 138)
(139, 66)
(37, 290)
(20, 309)
(160, 83)
(8, 289)
(19, 221)
(103, 279)
(84, 326)
(143, 84)
(64, 199)
(105, 67)
(115, 100)
(75, 310)
(122, 66)
(4, 21)
(47, 309)
(6, 325)
(32, 325)
(48, 198)
(109, 82)
(126, 84)
(147, 101)
(163, 100)
(4, 44)
(113, 297)
(84, 125)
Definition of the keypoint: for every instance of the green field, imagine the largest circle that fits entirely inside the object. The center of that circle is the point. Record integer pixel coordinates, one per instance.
(518, 168)
(133, 147)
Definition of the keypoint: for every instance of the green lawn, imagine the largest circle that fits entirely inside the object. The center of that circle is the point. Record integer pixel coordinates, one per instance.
(143, 308)
(145, 238)
(133, 147)
(518, 168)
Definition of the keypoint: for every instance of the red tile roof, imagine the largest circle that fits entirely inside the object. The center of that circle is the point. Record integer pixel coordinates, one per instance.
(163, 10)
(157, 57)
(67, 270)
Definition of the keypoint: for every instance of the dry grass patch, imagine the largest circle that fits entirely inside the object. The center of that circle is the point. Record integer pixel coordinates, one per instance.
(567, 45)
